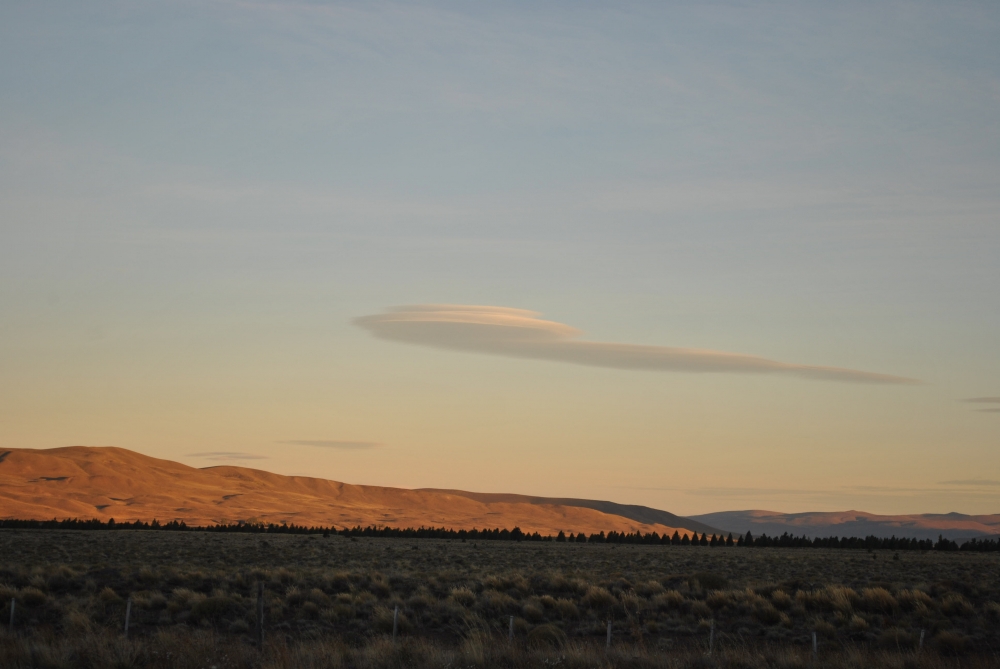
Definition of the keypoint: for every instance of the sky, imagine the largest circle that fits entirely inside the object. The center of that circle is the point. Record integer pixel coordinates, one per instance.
(699, 256)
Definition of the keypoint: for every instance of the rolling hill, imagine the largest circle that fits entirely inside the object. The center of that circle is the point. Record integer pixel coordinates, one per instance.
(106, 482)
(856, 524)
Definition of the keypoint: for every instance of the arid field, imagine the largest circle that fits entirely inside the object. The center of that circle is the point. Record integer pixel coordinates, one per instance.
(330, 601)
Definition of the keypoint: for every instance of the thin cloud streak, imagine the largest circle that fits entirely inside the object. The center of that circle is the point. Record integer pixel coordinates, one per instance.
(973, 482)
(983, 400)
(521, 333)
(328, 443)
(227, 455)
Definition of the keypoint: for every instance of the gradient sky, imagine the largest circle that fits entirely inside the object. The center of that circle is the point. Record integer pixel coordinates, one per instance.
(206, 209)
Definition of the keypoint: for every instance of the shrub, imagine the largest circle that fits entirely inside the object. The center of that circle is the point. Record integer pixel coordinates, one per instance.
(145, 599)
(62, 579)
(558, 583)
(878, 600)
(700, 609)
(547, 636)
(649, 588)
(824, 629)
(294, 596)
(420, 601)
(631, 602)
(337, 583)
(598, 598)
(182, 599)
(895, 637)
(857, 623)
(382, 618)
(77, 622)
(498, 602)
(32, 596)
(310, 610)
(318, 597)
(710, 581)
(951, 642)
(214, 609)
(766, 613)
(533, 612)
(108, 596)
(239, 626)
(836, 598)
(781, 600)
(956, 605)
(718, 599)
(671, 599)
(913, 600)
(567, 609)
(379, 587)
(463, 597)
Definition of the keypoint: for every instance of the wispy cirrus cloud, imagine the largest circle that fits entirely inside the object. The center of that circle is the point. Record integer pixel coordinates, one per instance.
(985, 400)
(973, 482)
(521, 333)
(333, 443)
(227, 455)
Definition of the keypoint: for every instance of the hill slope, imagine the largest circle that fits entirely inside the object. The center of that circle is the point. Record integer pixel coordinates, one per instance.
(856, 524)
(89, 482)
(640, 514)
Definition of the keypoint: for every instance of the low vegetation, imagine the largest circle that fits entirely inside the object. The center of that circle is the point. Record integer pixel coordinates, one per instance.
(332, 601)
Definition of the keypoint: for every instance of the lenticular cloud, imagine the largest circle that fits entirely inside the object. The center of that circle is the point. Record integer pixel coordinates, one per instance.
(521, 333)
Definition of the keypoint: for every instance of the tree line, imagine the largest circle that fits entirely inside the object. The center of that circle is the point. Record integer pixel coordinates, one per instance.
(786, 540)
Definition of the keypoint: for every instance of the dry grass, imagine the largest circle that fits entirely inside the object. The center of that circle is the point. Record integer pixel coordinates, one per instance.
(330, 602)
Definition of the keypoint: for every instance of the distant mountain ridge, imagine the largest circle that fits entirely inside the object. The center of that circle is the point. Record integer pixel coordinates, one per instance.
(856, 524)
(640, 514)
(105, 482)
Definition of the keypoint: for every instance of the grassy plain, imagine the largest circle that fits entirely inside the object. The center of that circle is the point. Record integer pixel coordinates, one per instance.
(330, 602)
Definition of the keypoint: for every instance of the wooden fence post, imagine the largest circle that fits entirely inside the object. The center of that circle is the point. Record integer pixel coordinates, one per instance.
(128, 614)
(711, 637)
(607, 647)
(920, 646)
(395, 623)
(815, 647)
(510, 630)
(260, 614)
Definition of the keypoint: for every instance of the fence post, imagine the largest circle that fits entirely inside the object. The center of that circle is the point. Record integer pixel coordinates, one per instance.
(711, 637)
(920, 646)
(815, 647)
(607, 647)
(128, 614)
(12, 600)
(510, 631)
(260, 614)
(395, 623)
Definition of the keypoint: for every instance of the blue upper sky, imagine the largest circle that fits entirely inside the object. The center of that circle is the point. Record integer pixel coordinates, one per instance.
(197, 199)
